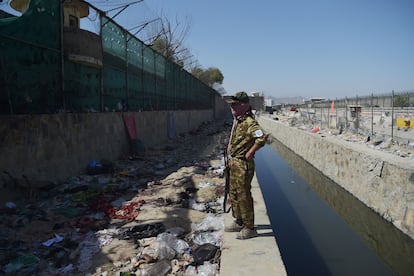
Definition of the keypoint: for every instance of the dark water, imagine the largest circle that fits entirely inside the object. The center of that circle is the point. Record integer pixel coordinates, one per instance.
(320, 228)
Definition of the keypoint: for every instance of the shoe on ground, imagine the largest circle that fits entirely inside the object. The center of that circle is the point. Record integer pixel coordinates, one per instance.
(234, 227)
(247, 233)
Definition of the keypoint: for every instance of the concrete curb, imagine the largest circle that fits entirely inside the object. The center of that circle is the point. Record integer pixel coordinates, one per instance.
(256, 256)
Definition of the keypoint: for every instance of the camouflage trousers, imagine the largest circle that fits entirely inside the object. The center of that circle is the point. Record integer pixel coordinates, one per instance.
(241, 175)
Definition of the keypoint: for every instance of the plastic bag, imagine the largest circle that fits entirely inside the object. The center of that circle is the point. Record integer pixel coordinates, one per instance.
(210, 223)
(207, 269)
(214, 237)
(158, 269)
(180, 246)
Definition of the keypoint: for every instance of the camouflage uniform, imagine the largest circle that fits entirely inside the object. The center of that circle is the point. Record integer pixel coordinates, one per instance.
(245, 133)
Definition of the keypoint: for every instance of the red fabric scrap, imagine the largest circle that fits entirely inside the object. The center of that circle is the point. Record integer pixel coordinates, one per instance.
(315, 129)
(127, 211)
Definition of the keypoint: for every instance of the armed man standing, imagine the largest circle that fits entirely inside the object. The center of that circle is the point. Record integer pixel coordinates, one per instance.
(245, 139)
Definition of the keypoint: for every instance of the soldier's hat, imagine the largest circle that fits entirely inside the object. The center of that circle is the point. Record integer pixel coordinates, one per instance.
(239, 97)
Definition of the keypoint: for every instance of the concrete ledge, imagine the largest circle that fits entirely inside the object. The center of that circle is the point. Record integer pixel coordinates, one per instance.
(256, 256)
(382, 181)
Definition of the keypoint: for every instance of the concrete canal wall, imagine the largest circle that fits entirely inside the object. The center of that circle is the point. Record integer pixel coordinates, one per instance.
(380, 180)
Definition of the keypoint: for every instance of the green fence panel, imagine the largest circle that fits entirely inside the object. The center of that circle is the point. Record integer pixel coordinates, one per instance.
(135, 74)
(82, 88)
(149, 60)
(161, 88)
(135, 94)
(170, 68)
(114, 96)
(150, 99)
(134, 77)
(114, 45)
(179, 88)
(30, 60)
(113, 38)
(160, 62)
(135, 52)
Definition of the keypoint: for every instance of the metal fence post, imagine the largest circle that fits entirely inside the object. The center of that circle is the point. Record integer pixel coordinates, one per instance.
(392, 116)
(346, 112)
(336, 112)
(321, 116)
(62, 57)
(126, 71)
(357, 114)
(372, 114)
(329, 118)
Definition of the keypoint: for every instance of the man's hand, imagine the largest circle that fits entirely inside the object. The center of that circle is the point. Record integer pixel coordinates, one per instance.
(250, 153)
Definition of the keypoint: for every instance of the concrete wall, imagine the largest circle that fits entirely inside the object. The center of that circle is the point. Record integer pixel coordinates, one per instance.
(47, 148)
(221, 108)
(380, 180)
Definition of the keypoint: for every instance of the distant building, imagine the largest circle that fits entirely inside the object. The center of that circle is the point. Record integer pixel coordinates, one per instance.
(268, 102)
(257, 102)
(312, 101)
(316, 100)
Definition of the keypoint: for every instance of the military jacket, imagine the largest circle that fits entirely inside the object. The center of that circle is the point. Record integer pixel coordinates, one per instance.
(246, 132)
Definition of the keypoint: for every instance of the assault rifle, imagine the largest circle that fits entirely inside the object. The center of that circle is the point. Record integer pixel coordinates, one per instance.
(226, 174)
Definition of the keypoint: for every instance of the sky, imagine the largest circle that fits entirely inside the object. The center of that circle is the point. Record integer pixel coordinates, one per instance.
(285, 48)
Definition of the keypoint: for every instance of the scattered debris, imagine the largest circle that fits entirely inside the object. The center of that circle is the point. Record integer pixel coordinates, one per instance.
(400, 146)
(153, 215)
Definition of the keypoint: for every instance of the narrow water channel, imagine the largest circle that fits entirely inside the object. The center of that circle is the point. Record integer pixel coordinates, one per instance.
(320, 228)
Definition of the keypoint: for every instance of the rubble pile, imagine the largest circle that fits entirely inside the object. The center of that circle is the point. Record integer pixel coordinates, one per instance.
(155, 214)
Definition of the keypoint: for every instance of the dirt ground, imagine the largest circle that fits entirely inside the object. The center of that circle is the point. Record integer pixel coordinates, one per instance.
(109, 223)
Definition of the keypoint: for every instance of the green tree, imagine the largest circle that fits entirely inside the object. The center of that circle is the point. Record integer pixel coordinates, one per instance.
(210, 76)
(162, 46)
(215, 75)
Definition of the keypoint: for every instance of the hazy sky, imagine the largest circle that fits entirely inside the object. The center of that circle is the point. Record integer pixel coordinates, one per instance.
(309, 48)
